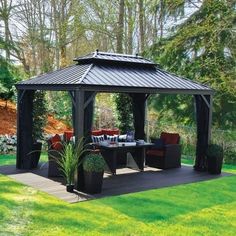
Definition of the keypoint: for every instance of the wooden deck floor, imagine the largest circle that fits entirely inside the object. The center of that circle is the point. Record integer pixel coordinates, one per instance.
(126, 181)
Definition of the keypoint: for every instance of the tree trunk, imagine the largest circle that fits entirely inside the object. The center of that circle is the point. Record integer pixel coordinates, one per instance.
(55, 28)
(120, 29)
(5, 9)
(130, 30)
(161, 18)
(141, 25)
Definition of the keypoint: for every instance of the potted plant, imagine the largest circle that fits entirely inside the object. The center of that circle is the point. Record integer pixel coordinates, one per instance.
(93, 166)
(70, 159)
(214, 158)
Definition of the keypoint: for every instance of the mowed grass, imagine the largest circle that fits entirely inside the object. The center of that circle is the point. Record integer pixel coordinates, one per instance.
(226, 167)
(203, 208)
(10, 159)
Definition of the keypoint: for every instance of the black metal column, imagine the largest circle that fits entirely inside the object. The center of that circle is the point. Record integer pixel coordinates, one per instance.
(24, 128)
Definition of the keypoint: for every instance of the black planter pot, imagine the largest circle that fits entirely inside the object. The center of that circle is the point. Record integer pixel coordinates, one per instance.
(93, 182)
(214, 164)
(70, 188)
(36, 154)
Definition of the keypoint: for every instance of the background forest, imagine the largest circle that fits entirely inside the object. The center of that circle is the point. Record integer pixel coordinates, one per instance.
(191, 38)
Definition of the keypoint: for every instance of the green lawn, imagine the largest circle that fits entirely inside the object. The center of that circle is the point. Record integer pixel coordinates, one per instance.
(203, 208)
(10, 159)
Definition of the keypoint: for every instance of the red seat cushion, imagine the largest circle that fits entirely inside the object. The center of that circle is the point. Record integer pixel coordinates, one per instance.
(155, 152)
(68, 135)
(56, 142)
(170, 138)
(97, 132)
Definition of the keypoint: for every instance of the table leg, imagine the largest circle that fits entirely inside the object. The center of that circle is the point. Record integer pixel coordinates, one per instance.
(110, 158)
(138, 158)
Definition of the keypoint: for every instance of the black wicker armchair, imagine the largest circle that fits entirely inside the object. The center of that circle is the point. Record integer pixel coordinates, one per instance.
(166, 153)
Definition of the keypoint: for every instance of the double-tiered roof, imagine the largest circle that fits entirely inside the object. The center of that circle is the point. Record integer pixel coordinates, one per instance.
(111, 72)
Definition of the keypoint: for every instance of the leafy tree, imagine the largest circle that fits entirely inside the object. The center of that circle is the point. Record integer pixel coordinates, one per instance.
(39, 115)
(124, 112)
(203, 49)
(59, 104)
(9, 75)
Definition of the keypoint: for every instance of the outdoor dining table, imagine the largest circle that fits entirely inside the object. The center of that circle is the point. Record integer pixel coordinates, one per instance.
(135, 158)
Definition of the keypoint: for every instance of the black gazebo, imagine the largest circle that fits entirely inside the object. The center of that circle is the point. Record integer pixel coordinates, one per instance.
(114, 73)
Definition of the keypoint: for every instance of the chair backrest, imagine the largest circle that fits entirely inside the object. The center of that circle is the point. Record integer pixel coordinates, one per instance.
(55, 142)
(68, 135)
(170, 138)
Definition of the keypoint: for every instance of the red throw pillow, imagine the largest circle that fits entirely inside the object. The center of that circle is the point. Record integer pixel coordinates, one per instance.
(56, 142)
(106, 131)
(97, 132)
(115, 132)
(170, 138)
(68, 135)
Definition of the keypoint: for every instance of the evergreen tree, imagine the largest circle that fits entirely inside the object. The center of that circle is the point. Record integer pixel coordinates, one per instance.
(203, 49)
(9, 75)
(39, 115)
(124, 112)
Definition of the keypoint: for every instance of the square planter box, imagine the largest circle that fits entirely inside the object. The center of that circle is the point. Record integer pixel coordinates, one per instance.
(93, 182)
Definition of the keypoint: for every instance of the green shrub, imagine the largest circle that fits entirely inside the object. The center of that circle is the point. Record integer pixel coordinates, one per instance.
(94, 162)
(124, 112)
(214, 150)
(230, 155)
(39, 115)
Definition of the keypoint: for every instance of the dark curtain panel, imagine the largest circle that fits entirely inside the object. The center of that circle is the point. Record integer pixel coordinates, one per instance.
(139, 105)
(24, 128)
(88, 116)
(202, 119)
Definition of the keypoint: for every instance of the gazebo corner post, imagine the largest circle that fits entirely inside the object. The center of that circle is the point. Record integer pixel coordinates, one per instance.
(203, 120)
(78, 117)
(24, 128)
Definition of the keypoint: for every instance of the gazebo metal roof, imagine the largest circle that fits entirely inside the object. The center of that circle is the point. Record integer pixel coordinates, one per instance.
(101, 71)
